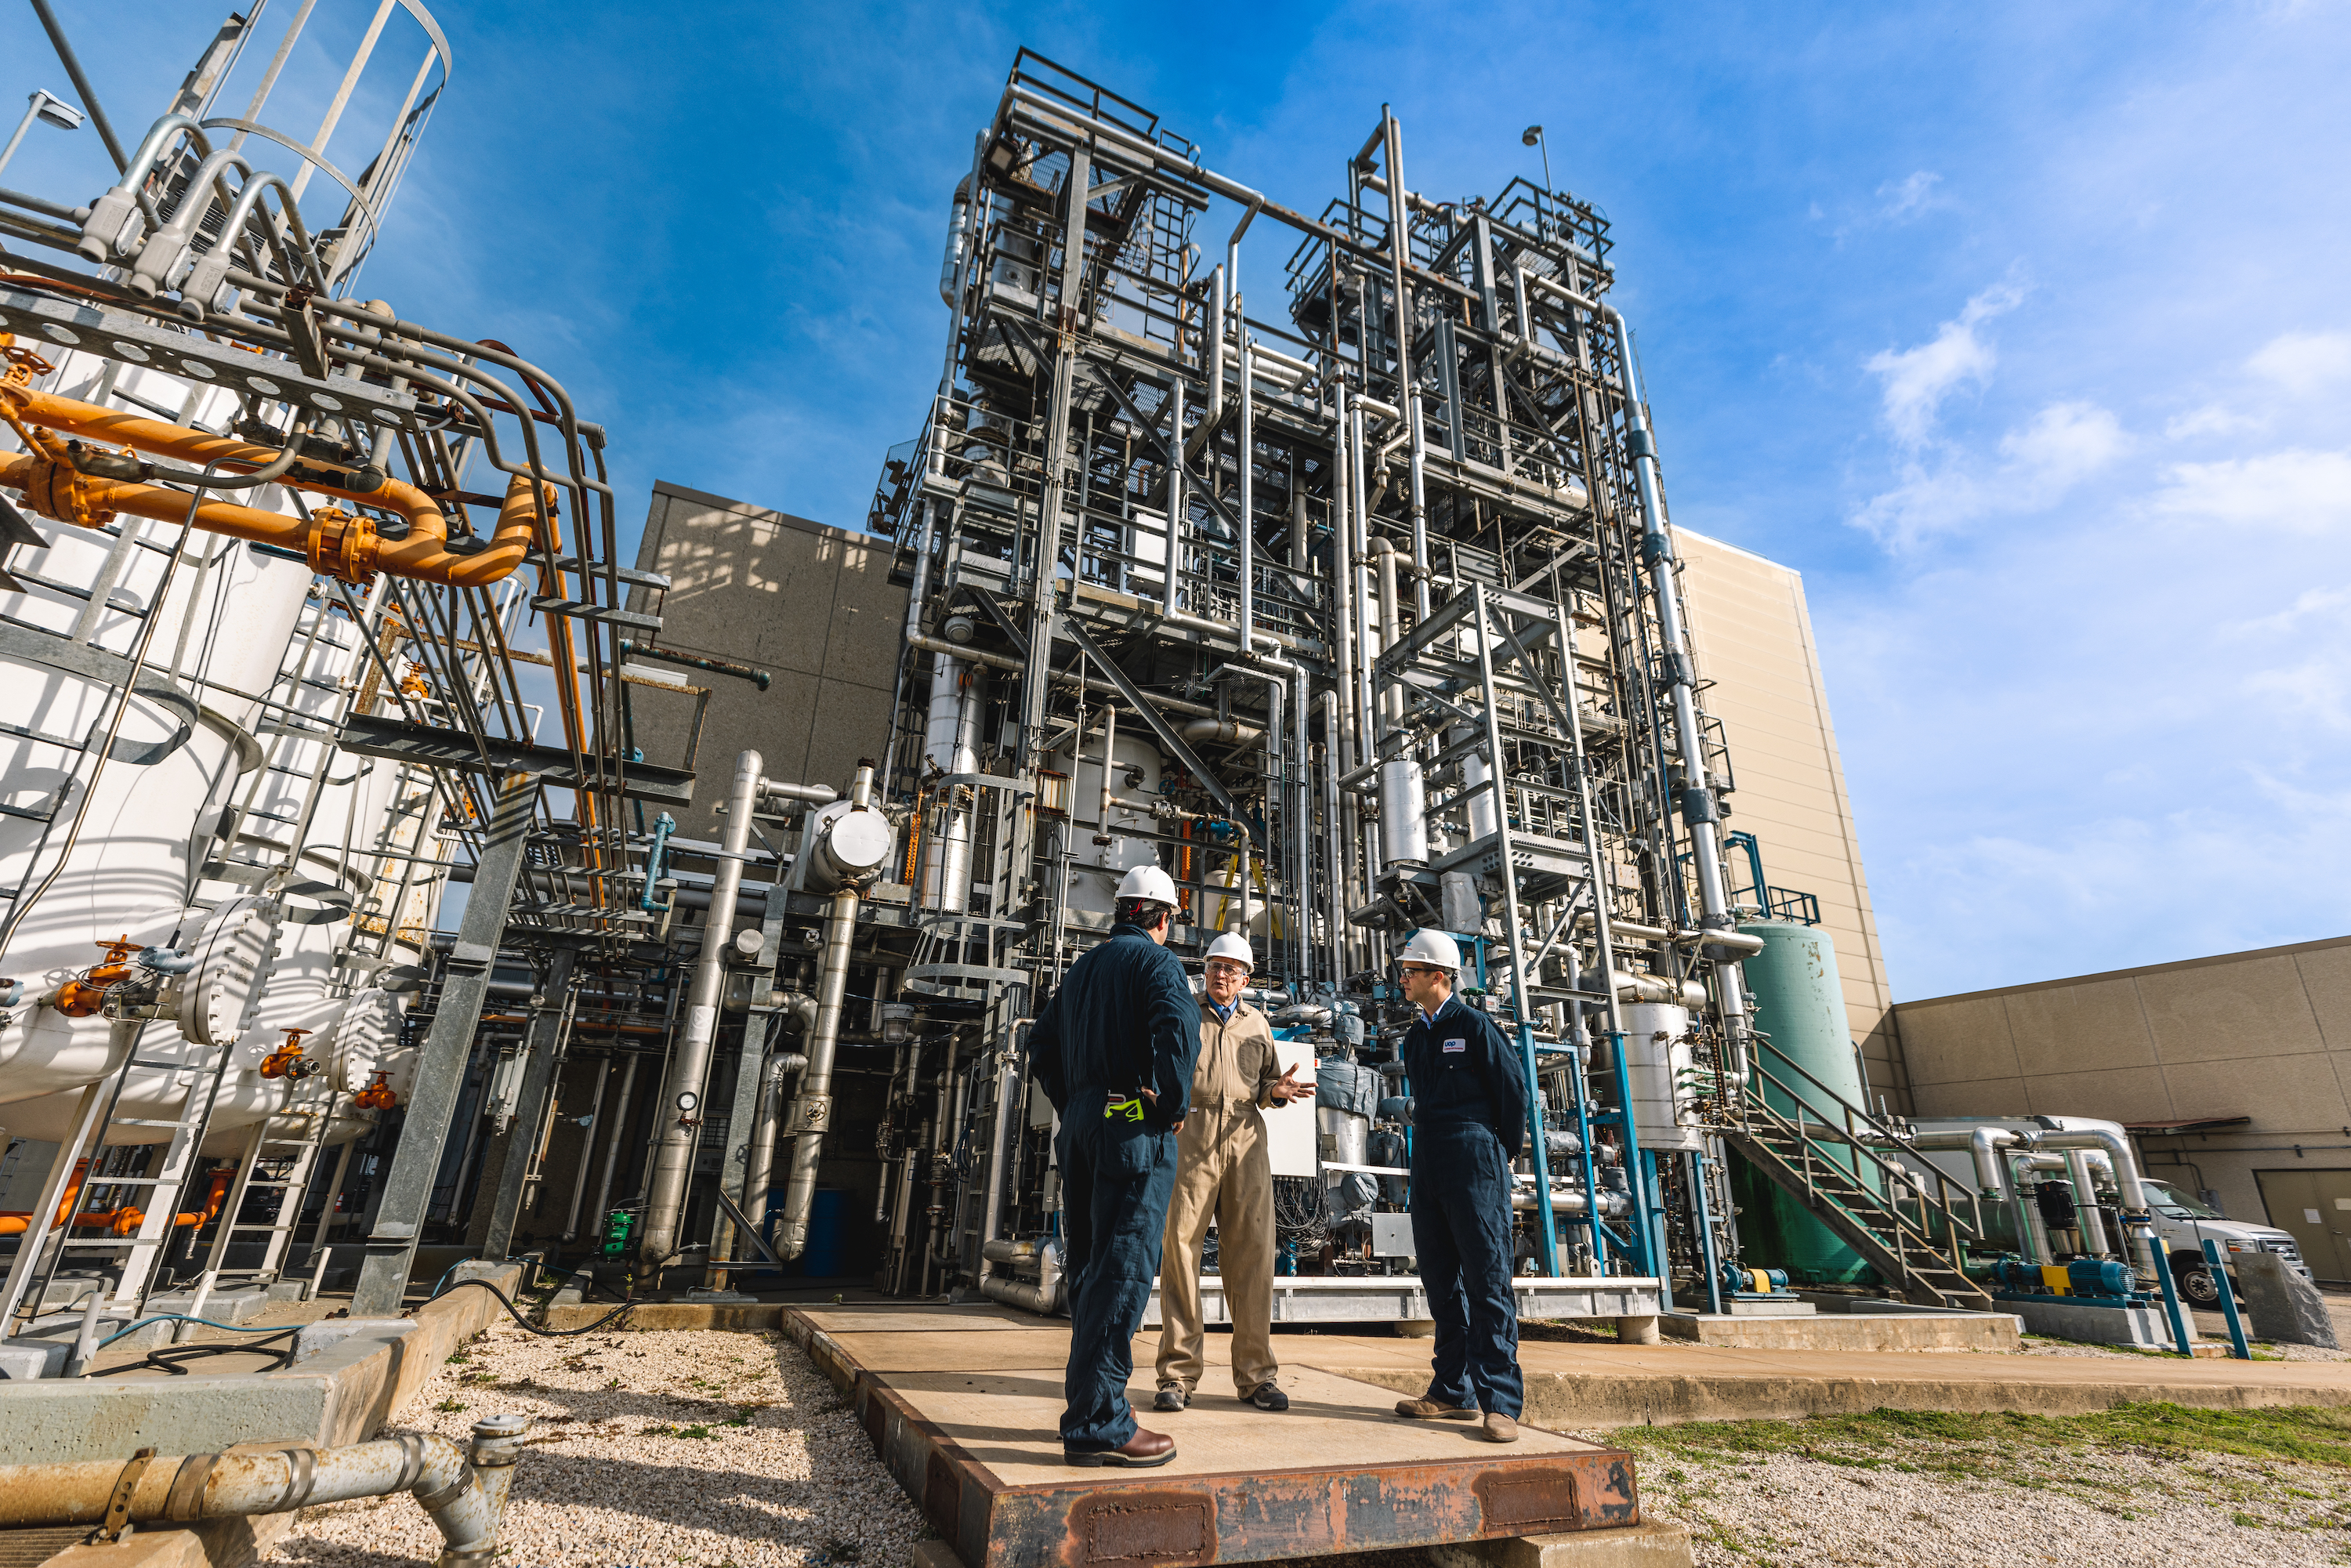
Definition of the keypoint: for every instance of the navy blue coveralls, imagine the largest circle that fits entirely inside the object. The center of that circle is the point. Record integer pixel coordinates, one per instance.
(1469, 1121)
(1123, 1020)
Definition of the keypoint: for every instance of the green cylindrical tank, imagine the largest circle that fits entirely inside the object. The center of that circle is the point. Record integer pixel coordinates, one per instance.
(1799, 1005)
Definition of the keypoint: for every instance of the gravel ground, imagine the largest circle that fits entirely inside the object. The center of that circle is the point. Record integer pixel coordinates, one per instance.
(719, 1449)
(2122, 1509)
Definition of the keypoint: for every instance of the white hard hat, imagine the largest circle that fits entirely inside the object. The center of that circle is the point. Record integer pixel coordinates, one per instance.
(1148, 881)
(1234, 947)
(1434, 948)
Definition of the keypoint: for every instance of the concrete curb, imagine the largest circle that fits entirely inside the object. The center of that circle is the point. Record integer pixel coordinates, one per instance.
(1583, 1401)
(670, 1316)
(342, 1395)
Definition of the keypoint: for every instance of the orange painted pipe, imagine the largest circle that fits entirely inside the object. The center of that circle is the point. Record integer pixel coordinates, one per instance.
(53, 488)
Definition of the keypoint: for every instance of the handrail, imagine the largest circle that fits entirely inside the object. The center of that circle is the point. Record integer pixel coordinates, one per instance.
(1960, 1227)
(1886, 1211)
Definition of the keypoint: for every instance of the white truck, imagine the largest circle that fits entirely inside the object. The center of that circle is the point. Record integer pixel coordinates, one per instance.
(2182, 1222)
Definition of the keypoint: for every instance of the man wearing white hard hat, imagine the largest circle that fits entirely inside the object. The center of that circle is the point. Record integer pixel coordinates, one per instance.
(1113, 1050)
(1468, 1122)
(1224, 1173)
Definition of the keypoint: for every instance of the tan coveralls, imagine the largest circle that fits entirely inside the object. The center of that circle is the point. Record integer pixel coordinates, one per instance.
(1223, 1173)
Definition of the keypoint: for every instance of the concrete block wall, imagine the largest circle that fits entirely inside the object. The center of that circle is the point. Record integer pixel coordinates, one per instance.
(812, 604)
(2264, 1034)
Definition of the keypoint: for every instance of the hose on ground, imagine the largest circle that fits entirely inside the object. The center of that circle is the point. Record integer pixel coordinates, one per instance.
(507, 1301)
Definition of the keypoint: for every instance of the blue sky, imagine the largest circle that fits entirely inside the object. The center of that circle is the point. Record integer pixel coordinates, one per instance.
(2020, 330)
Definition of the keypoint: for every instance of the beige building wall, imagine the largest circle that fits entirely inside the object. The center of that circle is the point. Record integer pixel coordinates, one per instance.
(2264, 1034)
(1753, 640)
(811, 604)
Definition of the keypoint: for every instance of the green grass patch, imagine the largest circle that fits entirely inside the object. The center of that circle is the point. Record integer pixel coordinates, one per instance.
(1991, 1444)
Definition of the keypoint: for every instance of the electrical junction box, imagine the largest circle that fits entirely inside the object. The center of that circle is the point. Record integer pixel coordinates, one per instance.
(1392, 1236)
(1290, 1140)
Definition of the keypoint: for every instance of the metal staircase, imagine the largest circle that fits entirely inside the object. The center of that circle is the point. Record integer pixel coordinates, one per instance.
(1909, 1222)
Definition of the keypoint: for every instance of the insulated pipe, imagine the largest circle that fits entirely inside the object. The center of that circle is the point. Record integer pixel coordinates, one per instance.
(1404, 811)
(681, 1107)
(1218, 732)
(1699, 813)
(1984, 1144)
(2032, 1234)
(811, 1113)
(1246, 462)
(56, 491)
(759, 1162)
(2086, 1201)
(1178, 501)
(1069, 683)
(1109, 760)
(1568, 1200)
(464, 1489)
(1000, 1129)
(1044, 1297)
(2117, 1148)
(948, 736)
(1216, 412)
(1399, 247)
(1419, 512)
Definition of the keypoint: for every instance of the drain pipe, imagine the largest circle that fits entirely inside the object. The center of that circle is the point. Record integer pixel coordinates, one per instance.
(681, 1104)
(811, 1111)
(463, 1487)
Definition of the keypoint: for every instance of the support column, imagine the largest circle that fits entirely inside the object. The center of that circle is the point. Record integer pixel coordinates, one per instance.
(440, 1071)
(541, 1043)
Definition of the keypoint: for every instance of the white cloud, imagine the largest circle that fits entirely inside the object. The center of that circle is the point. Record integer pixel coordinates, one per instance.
(2291, 492)
(2304, 363)
(2040, 460)
(2065, 444)
(1917, 380)
(2212, 419)
(1907, 198)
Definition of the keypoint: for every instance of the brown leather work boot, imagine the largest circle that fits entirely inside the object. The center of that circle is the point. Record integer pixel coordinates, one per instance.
(1430, 1410)
(1500, 1428)
(1141, 1451)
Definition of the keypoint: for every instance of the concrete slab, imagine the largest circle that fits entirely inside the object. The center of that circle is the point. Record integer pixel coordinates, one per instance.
(1652, 1543)
(963, 1410)
(1586, 1387)
(1841, 1331)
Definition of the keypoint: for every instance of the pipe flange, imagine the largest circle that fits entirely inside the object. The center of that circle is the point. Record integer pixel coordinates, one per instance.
(343, 546)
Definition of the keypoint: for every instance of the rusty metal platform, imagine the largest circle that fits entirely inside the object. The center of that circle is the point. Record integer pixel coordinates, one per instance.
(962, 1404)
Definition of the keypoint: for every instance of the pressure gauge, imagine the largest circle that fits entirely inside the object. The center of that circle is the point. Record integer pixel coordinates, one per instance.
(687, 1100)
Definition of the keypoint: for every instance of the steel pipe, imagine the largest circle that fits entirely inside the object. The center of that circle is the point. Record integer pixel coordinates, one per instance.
(464, 1489)
(681, 1108)
(811, 1113)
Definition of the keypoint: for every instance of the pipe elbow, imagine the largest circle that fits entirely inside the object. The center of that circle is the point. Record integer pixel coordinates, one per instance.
(426, 556)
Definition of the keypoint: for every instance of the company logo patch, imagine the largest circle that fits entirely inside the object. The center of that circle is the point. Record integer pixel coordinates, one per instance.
(1451, 1046)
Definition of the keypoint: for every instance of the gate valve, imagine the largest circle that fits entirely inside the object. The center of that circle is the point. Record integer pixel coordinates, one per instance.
(378, 1095)
(83, 995)
(288, 1061)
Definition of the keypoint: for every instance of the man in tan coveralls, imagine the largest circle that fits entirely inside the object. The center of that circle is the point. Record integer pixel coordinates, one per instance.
(1223, 1173)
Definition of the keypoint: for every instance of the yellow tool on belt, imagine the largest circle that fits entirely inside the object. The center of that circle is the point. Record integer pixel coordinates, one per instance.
(1133, 1107)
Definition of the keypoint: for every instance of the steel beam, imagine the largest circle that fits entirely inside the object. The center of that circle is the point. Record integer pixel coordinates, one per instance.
(423, 746)
(1169, 738)
(440, 1071)
(543, 1042)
